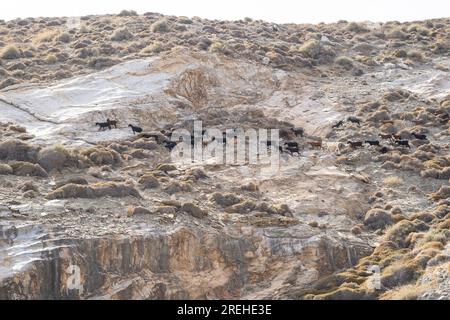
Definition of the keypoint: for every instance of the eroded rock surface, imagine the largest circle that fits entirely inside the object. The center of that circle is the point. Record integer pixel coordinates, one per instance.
(335, 220)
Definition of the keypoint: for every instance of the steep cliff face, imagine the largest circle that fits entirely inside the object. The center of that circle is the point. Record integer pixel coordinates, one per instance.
(183, 263)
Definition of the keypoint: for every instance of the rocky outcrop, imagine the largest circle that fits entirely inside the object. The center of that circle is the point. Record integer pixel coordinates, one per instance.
(180, 263)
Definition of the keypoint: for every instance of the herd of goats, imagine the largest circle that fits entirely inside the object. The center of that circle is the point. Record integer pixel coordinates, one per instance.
(290, 146)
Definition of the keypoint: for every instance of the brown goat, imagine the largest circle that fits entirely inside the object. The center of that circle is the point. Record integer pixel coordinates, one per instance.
(315, 144)
(356, 144)
(112, 123)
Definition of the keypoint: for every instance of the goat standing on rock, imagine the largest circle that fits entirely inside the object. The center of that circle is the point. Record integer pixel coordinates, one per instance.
(298, 131)
(135, 129)
(170, 145)
(112, 123)
(338, 124)
(419, 136)
(404, 143)
(103, 125)
(372, 142)
(356, 144)
(292, 147)
(384, 150)
(315, 144)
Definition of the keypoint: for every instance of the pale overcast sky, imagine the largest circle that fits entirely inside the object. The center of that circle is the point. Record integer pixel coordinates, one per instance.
(310, 11)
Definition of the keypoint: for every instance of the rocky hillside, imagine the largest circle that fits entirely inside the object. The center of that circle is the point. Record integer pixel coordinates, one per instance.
(44, 49)
(337, 220)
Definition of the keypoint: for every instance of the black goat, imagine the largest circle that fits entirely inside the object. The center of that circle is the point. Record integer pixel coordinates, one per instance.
(168, 132)
(404, 143)
(170, 145)
(154, 136)
(291, 144)
(338, 124)
(135, 129)
(103, 125)
(373, 142)
(291, 149)
(354, 120)
(419, 136)
(384, 150)
(298, 131)
(356, 144)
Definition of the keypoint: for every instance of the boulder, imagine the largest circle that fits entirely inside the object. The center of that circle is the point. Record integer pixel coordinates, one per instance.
(225, 200)
(377, 219)
(148, 181)
(193, 210)
(52, 158)
(137, 211)
(5, 169)
(21, 168)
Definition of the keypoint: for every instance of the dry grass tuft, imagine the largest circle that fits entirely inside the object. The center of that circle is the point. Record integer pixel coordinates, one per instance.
(46, 36)
(393, 181)
(160, 26)
(121, 35)
(10, 52)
